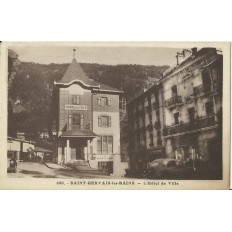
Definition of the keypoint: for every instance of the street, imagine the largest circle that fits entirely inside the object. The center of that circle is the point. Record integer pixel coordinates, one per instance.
(40, 170)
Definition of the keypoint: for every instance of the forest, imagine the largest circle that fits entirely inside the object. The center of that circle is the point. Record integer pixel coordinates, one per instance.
(31, 87)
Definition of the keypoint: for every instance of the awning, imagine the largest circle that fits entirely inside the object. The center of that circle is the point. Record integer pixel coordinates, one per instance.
(78, 134)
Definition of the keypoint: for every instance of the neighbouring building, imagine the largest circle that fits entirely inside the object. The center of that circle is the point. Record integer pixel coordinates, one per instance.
(181, 116)
(145, 120)
(192, 94)
(88, 121)
(20, 149)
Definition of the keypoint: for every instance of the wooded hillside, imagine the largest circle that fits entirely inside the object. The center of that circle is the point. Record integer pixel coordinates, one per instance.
(31, 89)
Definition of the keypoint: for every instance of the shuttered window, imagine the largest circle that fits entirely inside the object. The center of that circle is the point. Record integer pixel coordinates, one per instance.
(75, 99)
(105, 144)
(104, 121)
(104, 101)
(75, 121)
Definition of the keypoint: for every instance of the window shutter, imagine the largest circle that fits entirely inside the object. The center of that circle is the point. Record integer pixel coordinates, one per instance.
(109, 101)
(74, 99)
(69, 121)
(82, 122)
(78, 100)
(109, 121)
(99, 101)
(99, 121)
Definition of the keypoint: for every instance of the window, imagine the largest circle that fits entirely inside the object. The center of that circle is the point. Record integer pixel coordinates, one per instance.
(176, 118)
(75, 121)
(174, 90)
(209, 108)
(75, 99)
(106, 166)
(104, 101)
(104, 121)
(105, 144)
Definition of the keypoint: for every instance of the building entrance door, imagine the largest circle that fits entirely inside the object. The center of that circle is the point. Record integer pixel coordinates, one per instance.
(79, 152)
(77, 149)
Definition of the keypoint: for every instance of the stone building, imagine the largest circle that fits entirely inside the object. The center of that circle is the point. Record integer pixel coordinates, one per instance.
(145, 120)
(192, 100)
(88, 121)
(182, 113)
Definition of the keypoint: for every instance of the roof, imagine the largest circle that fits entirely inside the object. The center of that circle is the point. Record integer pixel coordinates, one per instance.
(39, 149)
(143, 93)
(18, 108)
(12, 54)
(20, 140)
(75, 72)
(78, 133)
(104, 86)
(189, 58)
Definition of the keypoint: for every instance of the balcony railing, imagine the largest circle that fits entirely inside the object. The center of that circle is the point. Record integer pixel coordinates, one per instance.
(149, 127)
(148, 109)
(176, 100)
(202, 89)
(195, 124)
(155, 105)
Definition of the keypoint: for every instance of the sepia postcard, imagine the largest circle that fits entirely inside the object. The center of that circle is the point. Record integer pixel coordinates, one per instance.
(115, 115)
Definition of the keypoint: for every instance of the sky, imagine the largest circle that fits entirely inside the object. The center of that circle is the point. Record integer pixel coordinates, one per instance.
(101, 55)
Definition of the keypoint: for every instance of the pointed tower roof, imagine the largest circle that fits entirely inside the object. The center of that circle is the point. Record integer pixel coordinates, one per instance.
(75, 72)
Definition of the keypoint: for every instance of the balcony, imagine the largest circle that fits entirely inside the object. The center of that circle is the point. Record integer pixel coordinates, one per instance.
(173, 101)
(155, 105)
(157, 125)
(201, 89)
(150, 127)
(194, 125)
(148, 109)
(206, 88)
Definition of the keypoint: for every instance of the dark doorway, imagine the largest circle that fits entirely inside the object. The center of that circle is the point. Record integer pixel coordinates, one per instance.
(176, 118)
(191, 112)
(215, 159)
(174, 90)
(209, 108)
(206, 80)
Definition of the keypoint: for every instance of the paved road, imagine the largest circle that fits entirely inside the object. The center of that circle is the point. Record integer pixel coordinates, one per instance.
(39, 170)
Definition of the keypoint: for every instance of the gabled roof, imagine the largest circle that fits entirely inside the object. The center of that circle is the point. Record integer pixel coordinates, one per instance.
(75, 72)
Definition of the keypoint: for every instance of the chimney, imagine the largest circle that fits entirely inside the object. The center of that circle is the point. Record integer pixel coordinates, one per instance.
(194, 51)
(177, 60)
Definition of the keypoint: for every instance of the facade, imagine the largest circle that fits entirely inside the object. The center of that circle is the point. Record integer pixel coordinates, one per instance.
(88, 121)
(145, 118)
(20, 148)
(192, 100)
(182, 113)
